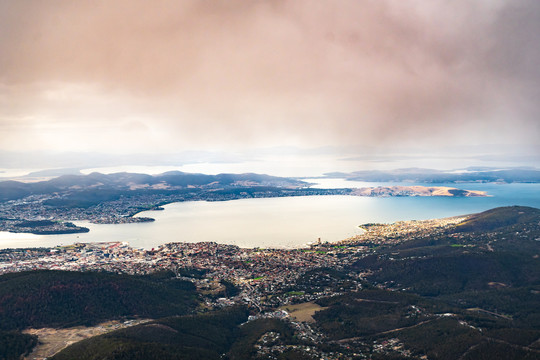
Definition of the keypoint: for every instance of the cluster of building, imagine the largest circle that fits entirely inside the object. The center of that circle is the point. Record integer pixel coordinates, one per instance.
(39, 207)
(393, 346)
(257, 272)
(269, 345)
(381, 234)
(267, 277)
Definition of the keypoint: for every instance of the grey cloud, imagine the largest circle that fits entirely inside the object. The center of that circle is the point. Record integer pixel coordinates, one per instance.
(309, 73)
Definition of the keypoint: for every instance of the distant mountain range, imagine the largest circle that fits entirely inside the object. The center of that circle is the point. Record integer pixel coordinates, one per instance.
(178, 181)
(172, 180)
(419, 175)
(43, 207)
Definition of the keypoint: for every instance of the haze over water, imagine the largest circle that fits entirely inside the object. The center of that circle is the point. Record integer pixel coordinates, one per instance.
(287, 222)
(287, 88)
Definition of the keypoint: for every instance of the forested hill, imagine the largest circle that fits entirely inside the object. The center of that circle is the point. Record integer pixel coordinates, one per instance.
(499, 218)
(173, 180)
(62, 298)
(203, 336)
(471, 292)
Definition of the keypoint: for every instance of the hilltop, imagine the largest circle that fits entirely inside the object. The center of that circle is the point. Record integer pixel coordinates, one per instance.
(499, 218)
(172, 180)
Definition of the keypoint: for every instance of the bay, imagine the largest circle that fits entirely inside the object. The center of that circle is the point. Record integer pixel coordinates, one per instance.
(283, 222)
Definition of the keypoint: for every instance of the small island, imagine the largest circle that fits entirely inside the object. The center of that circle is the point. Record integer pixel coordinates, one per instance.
(45, 227)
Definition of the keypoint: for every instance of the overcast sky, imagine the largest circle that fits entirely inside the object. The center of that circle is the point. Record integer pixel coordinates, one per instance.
(162, 76)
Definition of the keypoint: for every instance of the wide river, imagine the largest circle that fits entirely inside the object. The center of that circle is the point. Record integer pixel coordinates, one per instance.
(283, 222)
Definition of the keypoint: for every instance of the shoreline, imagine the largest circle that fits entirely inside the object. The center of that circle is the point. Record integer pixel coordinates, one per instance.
(393, 191)
(370, 231)
(460, 206)
(378, 235)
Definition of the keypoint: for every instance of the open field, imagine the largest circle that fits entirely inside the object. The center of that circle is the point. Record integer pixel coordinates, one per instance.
(52, 340)
(303, 311)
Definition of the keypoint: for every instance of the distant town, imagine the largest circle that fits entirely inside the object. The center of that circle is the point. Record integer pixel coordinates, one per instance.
(48, 207)
(34, 214)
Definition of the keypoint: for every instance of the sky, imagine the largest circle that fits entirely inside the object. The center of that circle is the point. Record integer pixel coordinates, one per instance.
(360, 79)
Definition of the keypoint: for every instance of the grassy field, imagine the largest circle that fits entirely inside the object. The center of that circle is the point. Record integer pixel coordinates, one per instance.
(303, 311)
(52, 340)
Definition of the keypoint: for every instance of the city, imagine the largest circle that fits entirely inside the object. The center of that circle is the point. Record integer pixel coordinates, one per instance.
(301, 297)
(259, 273)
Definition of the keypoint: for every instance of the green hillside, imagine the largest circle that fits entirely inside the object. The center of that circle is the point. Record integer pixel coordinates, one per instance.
(499, 217)
(14, 344)
(61, 298)
(204, 336)
(472, 292)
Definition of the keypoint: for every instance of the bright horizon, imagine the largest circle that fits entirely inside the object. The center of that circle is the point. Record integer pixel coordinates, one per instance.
(331, 86)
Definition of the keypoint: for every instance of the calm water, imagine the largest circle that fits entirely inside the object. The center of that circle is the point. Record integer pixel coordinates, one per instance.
(283, 222)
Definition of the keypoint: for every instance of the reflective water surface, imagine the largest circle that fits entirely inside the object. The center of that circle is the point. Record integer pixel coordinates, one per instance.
(283, 222)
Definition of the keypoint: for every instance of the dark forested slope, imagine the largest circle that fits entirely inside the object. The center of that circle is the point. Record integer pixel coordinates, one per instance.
(61, 298)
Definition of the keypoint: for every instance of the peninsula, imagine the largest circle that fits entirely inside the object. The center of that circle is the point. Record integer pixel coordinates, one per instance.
(47, 207)
(416, 191)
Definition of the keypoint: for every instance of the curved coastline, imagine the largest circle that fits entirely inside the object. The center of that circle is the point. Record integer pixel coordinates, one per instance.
(287, 222)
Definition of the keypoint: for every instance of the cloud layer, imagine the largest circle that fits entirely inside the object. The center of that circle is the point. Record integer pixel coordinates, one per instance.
(157, 76)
